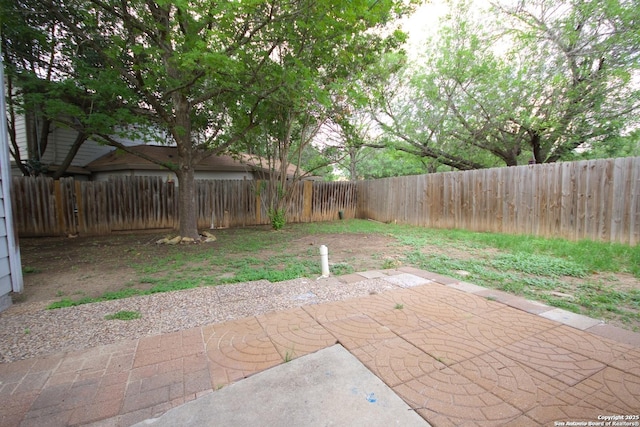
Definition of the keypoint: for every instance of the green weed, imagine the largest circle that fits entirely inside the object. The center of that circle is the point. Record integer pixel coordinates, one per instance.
(123, 315)
(389, 264)
(537, 264)
(340, 269)
(289, 355)
(277, 217)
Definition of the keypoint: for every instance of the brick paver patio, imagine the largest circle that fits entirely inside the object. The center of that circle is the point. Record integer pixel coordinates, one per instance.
(458, 354)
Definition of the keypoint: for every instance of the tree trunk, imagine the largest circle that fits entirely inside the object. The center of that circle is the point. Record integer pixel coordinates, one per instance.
(536, 146)
(187, 202)
(77, 143)
(37, 134)
(353, 172)
(15, 149)
(187, 160)
(510, 158)
(181, 131)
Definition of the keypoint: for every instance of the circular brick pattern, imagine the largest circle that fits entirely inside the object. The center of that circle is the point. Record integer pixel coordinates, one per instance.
(447, 394)
(396, 361)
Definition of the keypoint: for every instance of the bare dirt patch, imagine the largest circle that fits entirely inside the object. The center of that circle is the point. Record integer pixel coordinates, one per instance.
(74, 268)
(58, 268)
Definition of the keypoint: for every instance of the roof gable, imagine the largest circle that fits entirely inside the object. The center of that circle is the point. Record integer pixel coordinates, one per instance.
(119, 160)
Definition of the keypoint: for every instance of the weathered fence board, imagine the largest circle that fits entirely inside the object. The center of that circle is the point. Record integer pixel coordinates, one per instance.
(596, 199)
(50, 208)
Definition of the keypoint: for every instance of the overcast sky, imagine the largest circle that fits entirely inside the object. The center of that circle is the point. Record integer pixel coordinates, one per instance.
(424, 22)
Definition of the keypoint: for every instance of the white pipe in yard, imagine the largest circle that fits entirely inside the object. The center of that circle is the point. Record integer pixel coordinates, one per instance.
(324, 260)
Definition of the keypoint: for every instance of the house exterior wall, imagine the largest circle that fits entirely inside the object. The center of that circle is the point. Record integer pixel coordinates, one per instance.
(21, 136)
(223, 175)
(10, 265)
(104, 176)
(60, 142)
(6, 285)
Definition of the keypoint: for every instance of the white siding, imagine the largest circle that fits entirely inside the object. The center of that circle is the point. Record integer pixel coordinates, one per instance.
(10, 265)
(104, 176)
(5, 267)
(223, 175)
(21, 136)
(161, 139)
(60, 142)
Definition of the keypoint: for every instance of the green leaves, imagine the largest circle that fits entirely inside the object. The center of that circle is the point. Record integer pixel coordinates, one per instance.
(506, 85)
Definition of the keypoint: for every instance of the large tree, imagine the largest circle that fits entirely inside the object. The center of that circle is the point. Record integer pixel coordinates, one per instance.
(532, 81)
(199, 71)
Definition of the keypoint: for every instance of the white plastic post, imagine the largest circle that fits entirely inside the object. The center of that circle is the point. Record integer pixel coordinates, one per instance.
(324, 260)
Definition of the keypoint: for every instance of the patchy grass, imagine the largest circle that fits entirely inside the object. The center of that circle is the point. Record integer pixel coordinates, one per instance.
(123, 315)
(576, 276)
(584, 277)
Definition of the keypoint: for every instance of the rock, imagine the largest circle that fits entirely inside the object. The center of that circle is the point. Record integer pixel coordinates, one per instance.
(208, 235)
(562, 295)
(174, 241)
(210, 239)
(187, 240)
(162, 241)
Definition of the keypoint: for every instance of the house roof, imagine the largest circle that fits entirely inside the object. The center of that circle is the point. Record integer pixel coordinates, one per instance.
(118, 160)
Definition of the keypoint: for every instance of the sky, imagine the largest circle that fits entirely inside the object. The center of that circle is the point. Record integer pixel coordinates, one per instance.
(424, 22)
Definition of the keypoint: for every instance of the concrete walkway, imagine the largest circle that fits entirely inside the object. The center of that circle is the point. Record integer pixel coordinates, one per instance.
(456, 353)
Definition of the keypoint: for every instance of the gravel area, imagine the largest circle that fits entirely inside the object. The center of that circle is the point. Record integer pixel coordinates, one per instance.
(30, 330)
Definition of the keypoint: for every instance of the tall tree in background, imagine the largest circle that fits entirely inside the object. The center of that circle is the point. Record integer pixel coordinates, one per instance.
(42, 87)
(534, 82)
(28, 48)
(312, 81)
(199, 71)
(589, 53)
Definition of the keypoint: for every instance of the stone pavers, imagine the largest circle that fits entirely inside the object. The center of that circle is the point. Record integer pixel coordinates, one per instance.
(457, 353)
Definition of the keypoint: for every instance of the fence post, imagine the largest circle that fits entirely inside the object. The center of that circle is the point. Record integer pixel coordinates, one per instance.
(307, 194)
(59, 207)
(258, 202)
(79, 208)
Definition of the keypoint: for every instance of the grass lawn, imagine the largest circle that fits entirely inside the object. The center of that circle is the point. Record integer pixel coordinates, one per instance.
(600, 280)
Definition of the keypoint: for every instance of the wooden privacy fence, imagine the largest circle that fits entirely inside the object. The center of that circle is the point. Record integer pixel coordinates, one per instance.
(597, 200)
(44, 207)
(232, 203)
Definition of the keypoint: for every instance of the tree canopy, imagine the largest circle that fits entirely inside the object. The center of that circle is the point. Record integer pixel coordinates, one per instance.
(521, 82)
(205, 74)
(517, 82)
